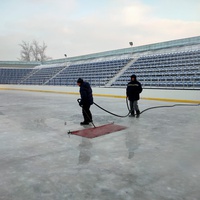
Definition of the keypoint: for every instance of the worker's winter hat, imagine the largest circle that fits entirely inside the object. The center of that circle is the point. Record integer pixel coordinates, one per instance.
(80, 80)
(133, 76)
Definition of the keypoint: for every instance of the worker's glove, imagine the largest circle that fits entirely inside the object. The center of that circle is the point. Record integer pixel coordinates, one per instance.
(80, 102)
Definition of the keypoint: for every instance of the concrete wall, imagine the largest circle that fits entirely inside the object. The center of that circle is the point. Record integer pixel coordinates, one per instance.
(187, 96)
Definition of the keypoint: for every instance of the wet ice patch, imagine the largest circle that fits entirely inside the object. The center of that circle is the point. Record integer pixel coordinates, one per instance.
(54, 123)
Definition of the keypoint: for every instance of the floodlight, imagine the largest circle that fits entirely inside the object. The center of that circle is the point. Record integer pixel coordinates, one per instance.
(131, 43)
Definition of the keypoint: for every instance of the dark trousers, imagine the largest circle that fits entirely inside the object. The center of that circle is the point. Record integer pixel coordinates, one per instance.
(134, 107)
(87, 115)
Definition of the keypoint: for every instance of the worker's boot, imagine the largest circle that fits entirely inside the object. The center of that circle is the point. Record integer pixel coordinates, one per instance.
(137, 113)
(84, 123)
(132, 114)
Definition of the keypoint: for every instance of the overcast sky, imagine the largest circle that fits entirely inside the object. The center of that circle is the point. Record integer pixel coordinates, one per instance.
(79, 27)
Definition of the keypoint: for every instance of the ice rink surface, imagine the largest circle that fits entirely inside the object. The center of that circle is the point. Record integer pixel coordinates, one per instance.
(156, 158)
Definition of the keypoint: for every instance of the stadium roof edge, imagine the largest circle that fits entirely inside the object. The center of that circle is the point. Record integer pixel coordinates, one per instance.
(32, 63)
(149, 47)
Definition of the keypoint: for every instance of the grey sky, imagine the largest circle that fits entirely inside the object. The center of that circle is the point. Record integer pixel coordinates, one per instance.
(79, 27)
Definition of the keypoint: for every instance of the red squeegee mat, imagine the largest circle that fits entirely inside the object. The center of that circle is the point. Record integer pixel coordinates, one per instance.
(98, 131)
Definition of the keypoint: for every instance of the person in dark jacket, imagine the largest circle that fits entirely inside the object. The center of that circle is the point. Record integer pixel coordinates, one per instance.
(86, 100)
(133, 90)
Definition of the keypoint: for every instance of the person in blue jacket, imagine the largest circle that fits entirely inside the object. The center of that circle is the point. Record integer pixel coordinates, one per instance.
(133, 90)
(86, 100)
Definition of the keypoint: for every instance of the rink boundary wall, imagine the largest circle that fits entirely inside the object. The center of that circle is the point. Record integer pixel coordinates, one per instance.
(184, 96)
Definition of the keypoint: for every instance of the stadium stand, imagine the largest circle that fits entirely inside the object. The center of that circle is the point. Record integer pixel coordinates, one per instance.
(97, 73)
(13, 76)
(165, 70)
(41, 75)
(171, 65)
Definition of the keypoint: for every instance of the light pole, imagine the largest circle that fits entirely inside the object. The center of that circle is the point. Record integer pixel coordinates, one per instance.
(131, 44)
(65, 58)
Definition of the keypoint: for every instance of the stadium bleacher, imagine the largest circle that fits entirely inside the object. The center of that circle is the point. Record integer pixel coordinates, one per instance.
(97, 73)
(162, 67)
(13, 76)
(41, 75)
(172, 70)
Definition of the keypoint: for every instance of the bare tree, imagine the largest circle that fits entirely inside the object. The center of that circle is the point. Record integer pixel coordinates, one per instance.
(26, 51)
(42, 54)
(33, 51)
